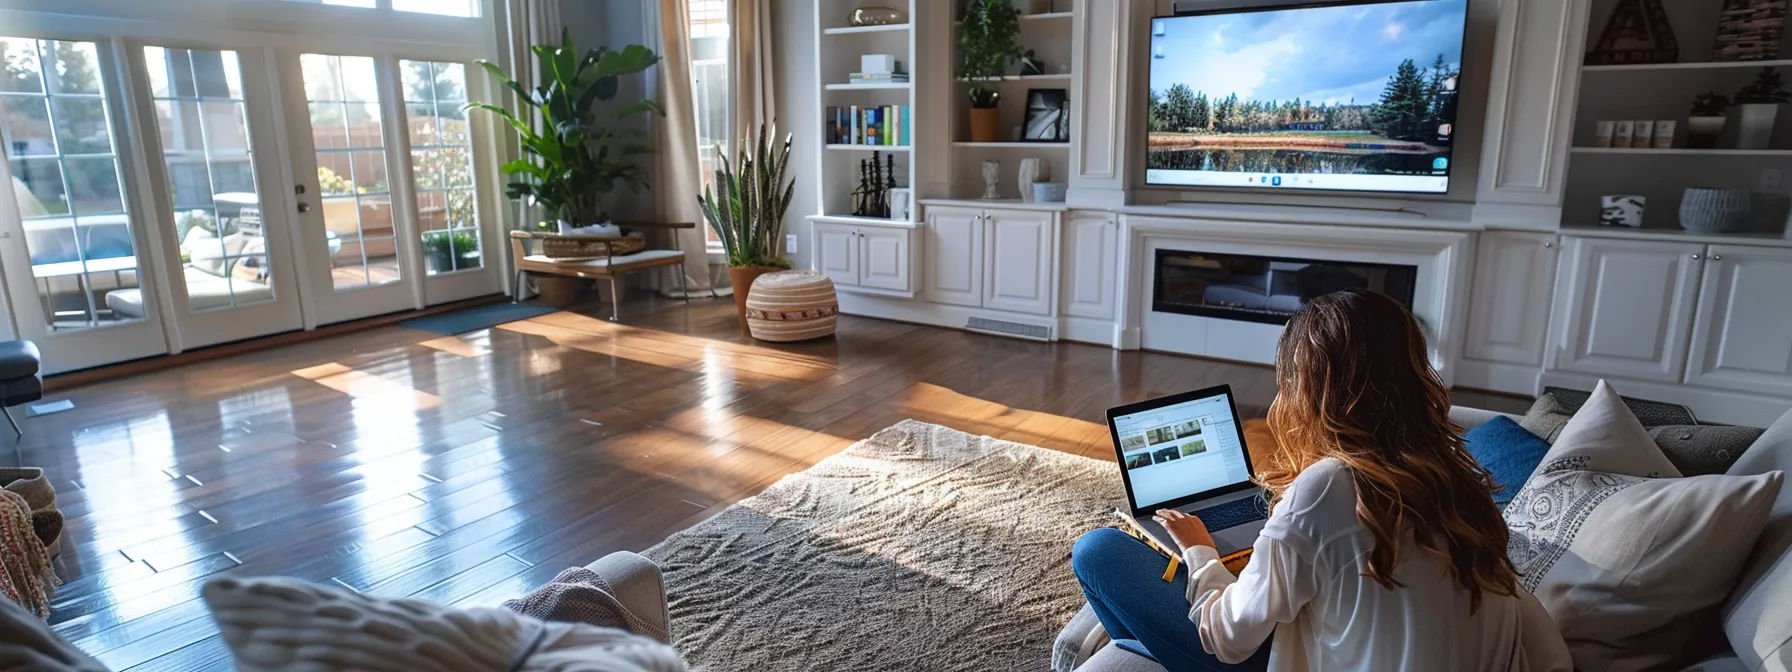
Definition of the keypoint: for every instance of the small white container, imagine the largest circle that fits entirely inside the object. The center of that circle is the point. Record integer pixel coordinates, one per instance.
(877, 64)
(1664, 133)
(1602, 134)
(1642, 134)
(1621, 133)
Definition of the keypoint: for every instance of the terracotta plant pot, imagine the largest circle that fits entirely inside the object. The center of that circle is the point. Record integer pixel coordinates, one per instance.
(984, 123)
(741, 279)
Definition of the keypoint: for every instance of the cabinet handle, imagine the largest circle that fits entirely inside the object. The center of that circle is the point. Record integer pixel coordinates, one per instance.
(1695, 256)
(1549, 244)
(1717, 257)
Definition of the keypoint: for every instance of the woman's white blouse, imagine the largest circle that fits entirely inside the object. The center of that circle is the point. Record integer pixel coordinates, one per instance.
(1306, 585)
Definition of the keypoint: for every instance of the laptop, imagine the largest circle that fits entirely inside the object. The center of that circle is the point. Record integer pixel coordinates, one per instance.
(1187, 452)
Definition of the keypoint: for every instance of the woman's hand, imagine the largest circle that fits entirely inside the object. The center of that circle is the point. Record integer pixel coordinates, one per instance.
(1187, 530)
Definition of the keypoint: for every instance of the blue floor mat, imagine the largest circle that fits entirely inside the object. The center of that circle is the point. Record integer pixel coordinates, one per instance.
(474, 319)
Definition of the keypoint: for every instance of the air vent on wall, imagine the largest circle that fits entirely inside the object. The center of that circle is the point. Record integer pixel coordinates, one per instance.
(1005, 328)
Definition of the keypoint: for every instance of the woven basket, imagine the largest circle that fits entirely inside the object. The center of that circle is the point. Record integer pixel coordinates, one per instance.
(579, 248)
(792, 306)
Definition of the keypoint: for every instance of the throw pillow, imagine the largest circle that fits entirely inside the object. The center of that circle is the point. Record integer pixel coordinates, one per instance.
(1699, 450)
(279, 623)
(1630, 559)
(1546, 418)
(1508, 451)
(1758, 615)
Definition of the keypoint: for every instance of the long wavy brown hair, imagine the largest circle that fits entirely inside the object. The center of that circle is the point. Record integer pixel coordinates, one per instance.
(1354, 383)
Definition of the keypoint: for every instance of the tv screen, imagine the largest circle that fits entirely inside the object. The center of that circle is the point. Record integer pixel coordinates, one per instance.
(1356, 96)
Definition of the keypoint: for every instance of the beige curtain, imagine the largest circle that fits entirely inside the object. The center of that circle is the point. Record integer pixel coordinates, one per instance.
(752, 66)
(528, 23)
(675, 150)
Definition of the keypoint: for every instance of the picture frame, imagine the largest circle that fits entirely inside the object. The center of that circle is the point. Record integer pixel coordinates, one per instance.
(1046, 116)
(901, 204)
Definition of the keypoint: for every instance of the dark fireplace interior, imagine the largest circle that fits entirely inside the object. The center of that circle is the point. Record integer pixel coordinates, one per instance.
(1264, 289)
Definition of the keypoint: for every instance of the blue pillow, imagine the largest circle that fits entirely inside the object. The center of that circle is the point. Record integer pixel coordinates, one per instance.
(1509, 451)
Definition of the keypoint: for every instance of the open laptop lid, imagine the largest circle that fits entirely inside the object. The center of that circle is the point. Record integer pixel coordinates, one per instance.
(1180, 449)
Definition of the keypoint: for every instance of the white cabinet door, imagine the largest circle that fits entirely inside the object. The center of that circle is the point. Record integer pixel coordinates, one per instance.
(1625, 307)
(1742, 338)
(1508, 310)
(1091, 251)
(884, 259)
(954, 256)
(837, 253)
(1017, 250)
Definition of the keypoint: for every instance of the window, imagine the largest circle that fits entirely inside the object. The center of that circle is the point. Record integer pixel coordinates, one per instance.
(456, 8)
(442, 165)
(709, 88)
(198, 96)
(58, 143)
(343, 93)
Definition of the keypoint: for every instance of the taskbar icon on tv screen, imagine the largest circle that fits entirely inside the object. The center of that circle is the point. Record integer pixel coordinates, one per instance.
(1437, 183)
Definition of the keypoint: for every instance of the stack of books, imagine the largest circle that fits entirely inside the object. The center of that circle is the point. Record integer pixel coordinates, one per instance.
(877, 78)
(885, 125)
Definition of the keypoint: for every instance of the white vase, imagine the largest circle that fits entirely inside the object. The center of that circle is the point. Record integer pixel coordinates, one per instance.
(992, 171)
(1029, 173)
(1754, 128)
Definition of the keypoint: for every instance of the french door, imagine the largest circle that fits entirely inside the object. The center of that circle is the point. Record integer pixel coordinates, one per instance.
(159, 196)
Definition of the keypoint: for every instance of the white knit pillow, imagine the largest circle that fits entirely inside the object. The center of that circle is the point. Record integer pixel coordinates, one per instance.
(279, 623)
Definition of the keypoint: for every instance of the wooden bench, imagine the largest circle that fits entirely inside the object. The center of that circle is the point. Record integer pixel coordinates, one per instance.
(612, 268)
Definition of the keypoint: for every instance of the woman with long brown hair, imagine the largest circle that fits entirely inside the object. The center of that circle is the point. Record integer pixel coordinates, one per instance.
(1383, 549)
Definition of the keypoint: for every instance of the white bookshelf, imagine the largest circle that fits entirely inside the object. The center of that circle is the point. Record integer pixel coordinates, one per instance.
(1049, 36)
(837, 50)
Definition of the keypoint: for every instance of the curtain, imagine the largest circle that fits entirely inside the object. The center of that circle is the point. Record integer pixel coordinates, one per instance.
(751, 66)
(677, 172)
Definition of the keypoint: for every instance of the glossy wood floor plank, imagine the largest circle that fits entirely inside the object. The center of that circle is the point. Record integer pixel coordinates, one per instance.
(467, 469)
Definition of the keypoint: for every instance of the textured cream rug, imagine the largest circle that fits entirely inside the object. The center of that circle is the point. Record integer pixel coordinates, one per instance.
(920, 548)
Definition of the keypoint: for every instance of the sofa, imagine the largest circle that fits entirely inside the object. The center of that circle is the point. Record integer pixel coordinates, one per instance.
(1756, 617)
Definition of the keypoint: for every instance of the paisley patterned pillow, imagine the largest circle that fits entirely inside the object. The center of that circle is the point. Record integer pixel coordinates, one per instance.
(1630, 559)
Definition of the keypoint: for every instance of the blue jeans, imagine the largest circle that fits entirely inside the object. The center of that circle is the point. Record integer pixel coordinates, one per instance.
(1123, 580)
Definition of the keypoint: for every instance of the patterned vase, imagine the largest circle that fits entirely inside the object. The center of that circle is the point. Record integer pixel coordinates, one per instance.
(1710, 210)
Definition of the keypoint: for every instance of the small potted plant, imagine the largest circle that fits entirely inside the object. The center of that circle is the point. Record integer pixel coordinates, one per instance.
(745, 206)
(1706, 120)
(1757, 104)
(987, 45)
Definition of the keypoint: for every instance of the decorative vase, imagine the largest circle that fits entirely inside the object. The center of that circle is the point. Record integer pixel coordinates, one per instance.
(1754, 125)
(984, 124)
(878, 15)
(1712, 210)
(1031, 171)
(1702, 132)
(1049, 192)
(992, 171)
(741, 279)
(1621, 210)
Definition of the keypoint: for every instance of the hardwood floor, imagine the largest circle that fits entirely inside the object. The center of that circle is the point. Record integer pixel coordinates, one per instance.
(468, 469)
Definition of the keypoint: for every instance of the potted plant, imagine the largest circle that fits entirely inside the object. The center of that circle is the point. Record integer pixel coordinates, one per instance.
(987, 45)
(1757, 103)
(745, 205)
(573, 161)
(1706, 120)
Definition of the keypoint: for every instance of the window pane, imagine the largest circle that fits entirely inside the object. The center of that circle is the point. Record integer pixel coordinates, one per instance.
(209, 157)
(351, 169)
(58, 144)
(344, 3)
(463, 8)
(442, 165)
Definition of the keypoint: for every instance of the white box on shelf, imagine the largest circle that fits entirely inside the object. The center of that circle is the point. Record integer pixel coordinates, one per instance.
(1664, 133)
(878, 63)
(1621, 134)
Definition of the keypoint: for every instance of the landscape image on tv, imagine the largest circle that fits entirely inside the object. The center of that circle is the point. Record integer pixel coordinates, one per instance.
(1351, 96)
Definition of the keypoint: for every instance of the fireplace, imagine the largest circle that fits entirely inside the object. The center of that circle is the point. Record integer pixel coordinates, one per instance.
(1262, 289)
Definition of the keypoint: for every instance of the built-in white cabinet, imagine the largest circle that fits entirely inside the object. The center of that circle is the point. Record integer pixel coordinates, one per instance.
(1018, 254)
(1624, 308)
(1000, 259)
(1091, 253)
(866, 257)
(1742, 338)
(954, 251)
(1508, 309)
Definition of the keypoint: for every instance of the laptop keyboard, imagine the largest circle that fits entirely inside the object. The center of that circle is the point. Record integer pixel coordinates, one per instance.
(1232, 514)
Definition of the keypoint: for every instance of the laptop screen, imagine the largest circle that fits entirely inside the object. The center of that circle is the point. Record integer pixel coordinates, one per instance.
(1181, 448)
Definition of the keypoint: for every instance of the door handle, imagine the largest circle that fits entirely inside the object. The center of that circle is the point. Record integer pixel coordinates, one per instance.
(304, 207)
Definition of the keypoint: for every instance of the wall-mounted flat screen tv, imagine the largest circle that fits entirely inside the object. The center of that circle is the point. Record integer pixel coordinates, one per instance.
(1350, 96)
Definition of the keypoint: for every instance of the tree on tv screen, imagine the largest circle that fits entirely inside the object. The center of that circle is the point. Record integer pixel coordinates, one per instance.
(1413, 102)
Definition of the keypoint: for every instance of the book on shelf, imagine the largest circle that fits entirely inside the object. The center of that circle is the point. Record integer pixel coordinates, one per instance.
(877, 78)
(885, 125)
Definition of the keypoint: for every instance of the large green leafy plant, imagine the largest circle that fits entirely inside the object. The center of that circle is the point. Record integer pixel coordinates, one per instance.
(745, 205)
(987, 44)
(574, 158)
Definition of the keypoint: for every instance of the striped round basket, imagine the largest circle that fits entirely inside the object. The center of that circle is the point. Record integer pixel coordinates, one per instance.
(792, 306)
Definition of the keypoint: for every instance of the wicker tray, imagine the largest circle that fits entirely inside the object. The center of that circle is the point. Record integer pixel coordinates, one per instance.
(579, 248)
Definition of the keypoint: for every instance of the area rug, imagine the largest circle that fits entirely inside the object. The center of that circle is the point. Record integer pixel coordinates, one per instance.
(920, 548)
(458, 322)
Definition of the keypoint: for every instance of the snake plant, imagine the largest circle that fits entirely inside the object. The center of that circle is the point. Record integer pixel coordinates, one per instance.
(745, 203)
